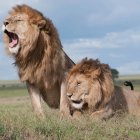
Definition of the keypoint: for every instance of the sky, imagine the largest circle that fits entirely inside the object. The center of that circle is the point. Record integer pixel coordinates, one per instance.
(105, 29)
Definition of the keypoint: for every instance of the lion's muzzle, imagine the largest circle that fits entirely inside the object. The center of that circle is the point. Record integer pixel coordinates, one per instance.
(78, 104)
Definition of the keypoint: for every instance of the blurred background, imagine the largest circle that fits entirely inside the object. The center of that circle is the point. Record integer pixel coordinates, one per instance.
(108, 30)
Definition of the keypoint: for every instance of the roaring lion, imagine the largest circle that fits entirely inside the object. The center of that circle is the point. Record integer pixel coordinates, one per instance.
(34, 42)
(90, 88)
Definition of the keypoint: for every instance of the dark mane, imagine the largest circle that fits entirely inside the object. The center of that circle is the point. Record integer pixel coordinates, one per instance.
(46, 54)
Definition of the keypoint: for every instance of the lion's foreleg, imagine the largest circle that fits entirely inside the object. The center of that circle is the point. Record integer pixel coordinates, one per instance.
(64, 104)
(77, 114)
(104, 113)
(35, 99)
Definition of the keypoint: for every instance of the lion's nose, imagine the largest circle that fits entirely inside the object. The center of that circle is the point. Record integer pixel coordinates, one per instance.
(6, 23)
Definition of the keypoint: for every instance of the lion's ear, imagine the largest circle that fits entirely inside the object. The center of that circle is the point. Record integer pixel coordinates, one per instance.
(41, 24)
(96, 73)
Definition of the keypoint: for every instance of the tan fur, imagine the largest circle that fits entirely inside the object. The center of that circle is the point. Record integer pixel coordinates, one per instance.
(90, 88)
(41, 61)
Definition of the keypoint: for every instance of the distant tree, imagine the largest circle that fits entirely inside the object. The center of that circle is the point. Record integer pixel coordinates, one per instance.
(115, 73)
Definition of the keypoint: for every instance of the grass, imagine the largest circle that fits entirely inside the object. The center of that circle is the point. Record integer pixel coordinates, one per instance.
(27, 127)
(18, 122)
(129, 77)
(12, 92)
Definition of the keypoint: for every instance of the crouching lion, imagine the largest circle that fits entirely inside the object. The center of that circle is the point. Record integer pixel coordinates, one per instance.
(90, 88)
(34, 43)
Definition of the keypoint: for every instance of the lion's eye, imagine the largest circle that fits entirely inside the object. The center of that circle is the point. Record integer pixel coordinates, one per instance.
(18, 20)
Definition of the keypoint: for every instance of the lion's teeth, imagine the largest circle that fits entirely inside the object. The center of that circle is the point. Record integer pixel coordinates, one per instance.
(3, 28)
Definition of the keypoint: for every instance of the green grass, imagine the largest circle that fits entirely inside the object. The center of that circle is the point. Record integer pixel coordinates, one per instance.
(129, 77)
(12, 92)
(18, 122)
(27, 127)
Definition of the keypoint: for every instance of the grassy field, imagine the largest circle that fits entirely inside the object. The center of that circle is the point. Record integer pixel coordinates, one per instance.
(12, 92)
(17, 121)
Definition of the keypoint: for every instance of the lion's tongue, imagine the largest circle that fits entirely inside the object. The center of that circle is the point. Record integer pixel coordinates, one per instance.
(13, 43)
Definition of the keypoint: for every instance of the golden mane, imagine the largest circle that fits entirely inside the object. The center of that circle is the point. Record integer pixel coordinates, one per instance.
(33, 61)
(32, 13)
(87, 68)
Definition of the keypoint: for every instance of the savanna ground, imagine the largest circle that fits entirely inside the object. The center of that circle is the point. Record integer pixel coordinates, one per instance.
(17, 121)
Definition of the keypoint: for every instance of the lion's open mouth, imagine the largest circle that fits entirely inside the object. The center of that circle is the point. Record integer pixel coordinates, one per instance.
(13, 39)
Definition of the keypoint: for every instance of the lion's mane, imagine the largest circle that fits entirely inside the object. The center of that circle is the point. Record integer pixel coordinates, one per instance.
(87, 68)
(43, 59)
